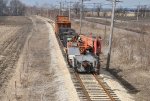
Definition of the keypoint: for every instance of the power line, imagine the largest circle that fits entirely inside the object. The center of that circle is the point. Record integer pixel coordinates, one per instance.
(70, 2)
(81, 14)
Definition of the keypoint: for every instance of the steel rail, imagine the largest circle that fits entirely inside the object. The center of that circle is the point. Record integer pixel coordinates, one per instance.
(102, 85)
(83, 87)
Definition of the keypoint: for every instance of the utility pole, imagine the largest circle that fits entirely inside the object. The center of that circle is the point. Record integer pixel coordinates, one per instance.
(81, 14)
(63, 7)
(69, 10)
(101, 6)
(111, 34)
(93, 10)
(138, 14)
(60, 8)
(69, 7)
(145, 8)
(47, 12)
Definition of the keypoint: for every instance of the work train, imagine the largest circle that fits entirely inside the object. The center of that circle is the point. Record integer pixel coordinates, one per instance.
(82, 50)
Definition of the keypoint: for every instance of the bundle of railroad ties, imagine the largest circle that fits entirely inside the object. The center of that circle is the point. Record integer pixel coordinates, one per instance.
(82, 50)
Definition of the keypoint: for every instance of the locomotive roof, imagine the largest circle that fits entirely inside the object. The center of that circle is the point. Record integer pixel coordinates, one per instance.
(73, 51)
(87, 57)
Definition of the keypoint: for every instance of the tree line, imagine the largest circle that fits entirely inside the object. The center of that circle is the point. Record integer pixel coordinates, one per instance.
(12, 7)
(17, 8)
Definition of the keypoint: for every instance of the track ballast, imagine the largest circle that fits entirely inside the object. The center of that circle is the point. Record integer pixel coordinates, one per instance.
(91, 87)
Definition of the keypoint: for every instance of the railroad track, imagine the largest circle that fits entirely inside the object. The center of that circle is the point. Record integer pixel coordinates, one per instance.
(91, 87)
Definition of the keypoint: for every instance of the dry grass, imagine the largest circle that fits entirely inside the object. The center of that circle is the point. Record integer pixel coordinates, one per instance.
(130, 54)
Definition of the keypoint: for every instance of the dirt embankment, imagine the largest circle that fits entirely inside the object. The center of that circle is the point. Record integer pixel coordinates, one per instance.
(130, 56)
(40, 73)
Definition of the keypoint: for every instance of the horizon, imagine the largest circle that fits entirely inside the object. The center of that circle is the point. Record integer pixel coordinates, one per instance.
(123, 4)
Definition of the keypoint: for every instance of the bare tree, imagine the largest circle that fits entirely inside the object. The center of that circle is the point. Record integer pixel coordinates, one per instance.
(119, 11)
(125, 11)
(148, 11)
(104, 13)
(3, 7)
(17, 7)
(141, 11)
(98, 9)
(76, 8)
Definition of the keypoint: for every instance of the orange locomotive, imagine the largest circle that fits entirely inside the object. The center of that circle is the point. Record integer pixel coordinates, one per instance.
(82, 51)
(93, 44)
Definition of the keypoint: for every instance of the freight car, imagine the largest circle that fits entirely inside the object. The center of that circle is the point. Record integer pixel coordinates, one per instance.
(82, 51)
(63, 29)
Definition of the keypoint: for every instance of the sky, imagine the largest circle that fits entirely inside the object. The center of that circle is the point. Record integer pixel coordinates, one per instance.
(124, 3)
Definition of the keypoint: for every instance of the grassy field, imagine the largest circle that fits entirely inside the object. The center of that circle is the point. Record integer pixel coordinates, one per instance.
(130, 55)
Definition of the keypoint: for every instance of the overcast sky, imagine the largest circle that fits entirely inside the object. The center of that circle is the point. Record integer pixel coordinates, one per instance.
(125, 3)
